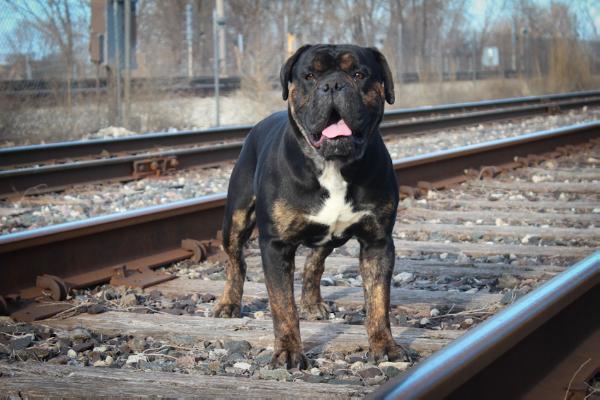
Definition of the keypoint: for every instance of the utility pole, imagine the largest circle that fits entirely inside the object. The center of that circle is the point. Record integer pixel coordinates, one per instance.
(216, 70)
(473, 55)
(127, 66)
(221, 34)
(117, 61)
(189, 38)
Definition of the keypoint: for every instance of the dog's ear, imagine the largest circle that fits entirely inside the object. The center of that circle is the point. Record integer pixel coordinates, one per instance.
(388, 80)
(286, 70)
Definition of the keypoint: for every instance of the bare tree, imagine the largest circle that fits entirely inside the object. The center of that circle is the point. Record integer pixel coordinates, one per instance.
(57, 24)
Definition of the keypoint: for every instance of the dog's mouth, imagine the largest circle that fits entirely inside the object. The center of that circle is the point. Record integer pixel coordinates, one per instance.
(334, 128)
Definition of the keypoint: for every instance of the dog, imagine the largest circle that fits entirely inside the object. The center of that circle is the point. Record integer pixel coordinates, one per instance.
(317, 175)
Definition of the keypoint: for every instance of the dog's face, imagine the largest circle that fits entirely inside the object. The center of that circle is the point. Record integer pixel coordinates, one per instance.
(336, 97)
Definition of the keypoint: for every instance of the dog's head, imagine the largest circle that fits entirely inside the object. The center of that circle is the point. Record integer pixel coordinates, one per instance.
(336, 97)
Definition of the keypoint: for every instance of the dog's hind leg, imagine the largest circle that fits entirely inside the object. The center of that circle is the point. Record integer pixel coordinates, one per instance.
(312, 306)
(239, 221)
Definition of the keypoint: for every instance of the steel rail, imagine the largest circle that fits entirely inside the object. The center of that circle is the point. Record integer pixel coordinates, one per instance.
(531, 349)
(76, 248)
(487, 104)
(22, 155)
(59, 176)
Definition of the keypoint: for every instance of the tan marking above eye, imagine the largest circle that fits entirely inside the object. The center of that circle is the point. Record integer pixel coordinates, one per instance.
(346, 61)
(318, 65)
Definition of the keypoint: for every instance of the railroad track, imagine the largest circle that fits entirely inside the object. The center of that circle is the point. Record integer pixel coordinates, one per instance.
(45, 168)
(468, 244)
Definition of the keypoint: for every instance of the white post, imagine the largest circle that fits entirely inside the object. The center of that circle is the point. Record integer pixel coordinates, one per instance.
(189, 37)
(216, 65)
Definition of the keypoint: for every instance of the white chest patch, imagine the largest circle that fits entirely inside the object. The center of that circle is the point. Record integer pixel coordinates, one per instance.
(336, 212)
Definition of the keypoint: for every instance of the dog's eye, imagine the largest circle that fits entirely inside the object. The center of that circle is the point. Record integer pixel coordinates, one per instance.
(309, 77)
(359, 75)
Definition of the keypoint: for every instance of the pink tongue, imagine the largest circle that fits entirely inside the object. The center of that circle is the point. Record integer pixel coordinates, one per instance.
(335, 130)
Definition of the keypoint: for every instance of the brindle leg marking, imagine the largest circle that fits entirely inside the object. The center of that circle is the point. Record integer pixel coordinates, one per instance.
(278, 265)
(376, 267)
(240, 228)
(312, 306)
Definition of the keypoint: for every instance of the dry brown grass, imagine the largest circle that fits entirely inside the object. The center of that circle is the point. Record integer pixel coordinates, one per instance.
(569, 67)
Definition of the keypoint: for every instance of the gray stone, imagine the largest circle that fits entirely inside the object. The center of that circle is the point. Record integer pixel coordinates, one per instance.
(279, 374)
(207, 297)
(357, 366)
(390, 371)
(346, 380)
(327, 281)
(376, 380)
(235, 357)
(100, 349)
(216, 354)
(87, 345)
(352, 358)
(96, 309)
(369, 372)
(21, 342)
(59, 360)
(264, 357)
(79, 334)
(242, 366)
(313, 378)
(404, 277)
(165, 303)
(341, 372)
(135, 359)
(512, 295)
(237, 346)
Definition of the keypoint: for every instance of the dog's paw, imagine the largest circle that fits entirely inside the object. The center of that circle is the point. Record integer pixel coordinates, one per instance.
(290, 359)
(227, 310)
(314, 311)
(390, 351)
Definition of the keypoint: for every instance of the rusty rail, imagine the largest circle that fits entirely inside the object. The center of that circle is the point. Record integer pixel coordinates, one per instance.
(447, 167)
(537, 348)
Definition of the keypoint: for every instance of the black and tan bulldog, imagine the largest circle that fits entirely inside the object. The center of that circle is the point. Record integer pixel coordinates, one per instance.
(317, 175)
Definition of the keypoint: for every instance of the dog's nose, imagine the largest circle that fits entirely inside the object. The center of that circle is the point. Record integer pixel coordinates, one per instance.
(334, 85)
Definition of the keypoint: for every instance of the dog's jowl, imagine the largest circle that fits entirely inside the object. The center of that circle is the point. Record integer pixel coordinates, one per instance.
(317, 175)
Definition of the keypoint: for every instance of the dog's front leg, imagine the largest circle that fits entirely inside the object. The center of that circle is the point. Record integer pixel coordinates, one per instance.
(376, 268)
(278, 265)
(312, 306)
